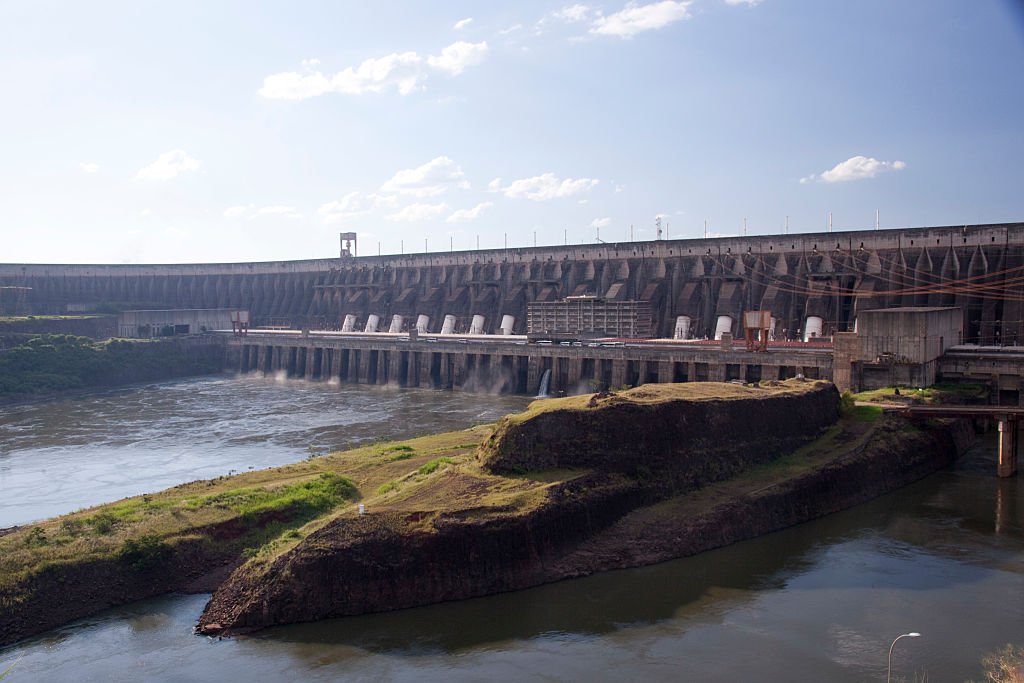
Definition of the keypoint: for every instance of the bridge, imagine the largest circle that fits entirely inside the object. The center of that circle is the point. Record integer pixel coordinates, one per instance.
(1008, 419)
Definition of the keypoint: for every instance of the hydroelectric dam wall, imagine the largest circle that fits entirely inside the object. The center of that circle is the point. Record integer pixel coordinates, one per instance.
(825, 276)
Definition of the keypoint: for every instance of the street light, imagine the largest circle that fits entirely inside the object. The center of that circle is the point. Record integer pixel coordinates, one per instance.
(888, 675)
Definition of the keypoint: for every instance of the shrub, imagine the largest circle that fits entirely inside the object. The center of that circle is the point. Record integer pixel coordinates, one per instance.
(387, 488)
(145, 553)
(846, 404)
(433, 465)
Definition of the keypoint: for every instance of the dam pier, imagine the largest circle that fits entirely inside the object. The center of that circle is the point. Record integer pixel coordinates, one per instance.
(497, 364)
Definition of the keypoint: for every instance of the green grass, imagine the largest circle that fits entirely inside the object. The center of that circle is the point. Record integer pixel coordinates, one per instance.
(865, 413)
(937, 394)
(313, 496)
(387, 487)
(433, 465)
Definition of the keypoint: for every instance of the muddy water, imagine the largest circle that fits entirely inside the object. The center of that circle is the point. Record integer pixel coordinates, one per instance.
(818, 602)
(62, 456)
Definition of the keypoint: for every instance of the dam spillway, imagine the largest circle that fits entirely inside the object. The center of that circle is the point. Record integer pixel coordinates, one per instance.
(819, 280)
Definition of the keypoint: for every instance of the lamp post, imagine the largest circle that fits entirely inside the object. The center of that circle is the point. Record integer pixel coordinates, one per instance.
(888, 675)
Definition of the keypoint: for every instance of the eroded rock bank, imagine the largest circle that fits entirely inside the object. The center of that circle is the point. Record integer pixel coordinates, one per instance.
(616, 482)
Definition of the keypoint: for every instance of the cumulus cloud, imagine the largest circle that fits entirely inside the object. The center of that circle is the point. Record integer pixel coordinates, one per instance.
(469, 214)
(418, 212)
(573, 13)
(251, 211)
(601, 222)
(353, 205)
(401, 71)
(88, 167)
(169, 165)
(855, 168)
(429, 180)
(634, 19)
(463, 23)
(456, 57)
(543, 187)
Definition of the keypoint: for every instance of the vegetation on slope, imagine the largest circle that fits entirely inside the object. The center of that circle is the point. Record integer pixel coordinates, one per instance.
(54, 362)
(232, 516)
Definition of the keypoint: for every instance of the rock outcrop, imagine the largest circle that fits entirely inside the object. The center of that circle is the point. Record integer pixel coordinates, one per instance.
(616, 454)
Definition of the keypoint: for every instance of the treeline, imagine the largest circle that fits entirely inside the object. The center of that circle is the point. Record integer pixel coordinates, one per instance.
(56, 362)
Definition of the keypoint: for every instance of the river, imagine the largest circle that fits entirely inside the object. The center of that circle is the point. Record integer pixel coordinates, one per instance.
(821, 601)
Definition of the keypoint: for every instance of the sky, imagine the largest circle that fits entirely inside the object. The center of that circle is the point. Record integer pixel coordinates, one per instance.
(198, 131)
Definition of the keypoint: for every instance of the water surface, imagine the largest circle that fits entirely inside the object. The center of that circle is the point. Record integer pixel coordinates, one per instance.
(818, 602)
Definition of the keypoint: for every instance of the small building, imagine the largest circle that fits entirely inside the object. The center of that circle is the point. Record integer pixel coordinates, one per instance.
(895, 346)
(588, 317)
(166, 323)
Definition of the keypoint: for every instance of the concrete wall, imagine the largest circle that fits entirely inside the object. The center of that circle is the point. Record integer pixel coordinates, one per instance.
(834, 276)
(145, 324)
(507, 367)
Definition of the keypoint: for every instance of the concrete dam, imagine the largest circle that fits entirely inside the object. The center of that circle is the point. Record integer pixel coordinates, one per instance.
(813, 283)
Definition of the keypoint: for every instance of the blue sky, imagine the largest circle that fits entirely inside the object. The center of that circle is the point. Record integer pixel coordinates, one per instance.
(144, 132)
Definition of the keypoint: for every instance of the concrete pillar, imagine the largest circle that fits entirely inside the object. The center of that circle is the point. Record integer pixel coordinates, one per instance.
(395, 368)
(716, 372)
(533, 373)
(1007, 447)
(426, 362)
(691, 372)
(311, 363)
(665, 372)
(618, 372)
(336, 364)
(575, 372)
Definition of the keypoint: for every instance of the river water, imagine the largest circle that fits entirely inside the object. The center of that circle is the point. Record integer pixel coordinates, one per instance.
(818, 602)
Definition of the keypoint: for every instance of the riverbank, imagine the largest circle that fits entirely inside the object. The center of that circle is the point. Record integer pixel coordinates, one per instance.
(92, 569)
(49, 365)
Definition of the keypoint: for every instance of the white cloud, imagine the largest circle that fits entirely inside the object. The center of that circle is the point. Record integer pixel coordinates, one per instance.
(168, 165)
(601, 222)
(238, 211)
(463, 23)
(428, 180)
(353, 205)
(855, 168)
(469, 214)
(633, 18)
(510, 29)
(543, 187)
(748, 3)
(251, 211)
(88, 167)
(279, 210)
(418, 212)
(404, 72)
(573, 13)
(456, 57)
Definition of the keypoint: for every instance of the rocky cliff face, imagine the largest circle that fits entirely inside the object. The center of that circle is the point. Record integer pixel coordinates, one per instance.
(685, 434)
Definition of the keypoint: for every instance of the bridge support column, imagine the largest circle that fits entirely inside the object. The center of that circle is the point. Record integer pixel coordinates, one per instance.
(533, 373)
(1007, 447)
(665, 374)
(618, 373)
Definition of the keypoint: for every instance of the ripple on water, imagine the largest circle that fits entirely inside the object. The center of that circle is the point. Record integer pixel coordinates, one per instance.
(62, 456)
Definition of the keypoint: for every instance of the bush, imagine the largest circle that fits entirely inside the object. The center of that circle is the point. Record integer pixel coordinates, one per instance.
(387, 488)
(145, 553)
(433, 465)
(847, 404)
